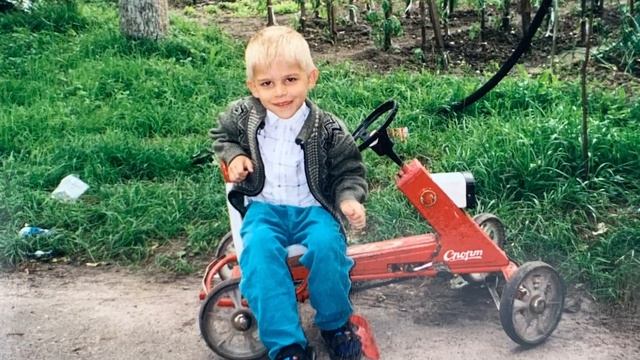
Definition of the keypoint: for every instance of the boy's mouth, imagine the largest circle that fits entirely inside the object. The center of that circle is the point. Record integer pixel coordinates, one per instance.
(283, 103)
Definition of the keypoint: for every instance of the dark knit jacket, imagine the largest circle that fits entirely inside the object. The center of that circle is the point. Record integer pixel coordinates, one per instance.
(334, 167)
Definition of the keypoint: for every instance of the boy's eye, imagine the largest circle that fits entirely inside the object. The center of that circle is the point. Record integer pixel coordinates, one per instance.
(292, 79)
(265, 83)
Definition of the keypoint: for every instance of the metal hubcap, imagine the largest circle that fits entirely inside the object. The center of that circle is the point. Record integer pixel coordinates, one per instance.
(241, 320)
(537, 305)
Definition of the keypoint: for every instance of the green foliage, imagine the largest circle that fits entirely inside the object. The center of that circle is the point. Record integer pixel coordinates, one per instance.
(612, 262)
(259, 8)
(126, 117)
(48, 15)
(385, 25)
(625, 52)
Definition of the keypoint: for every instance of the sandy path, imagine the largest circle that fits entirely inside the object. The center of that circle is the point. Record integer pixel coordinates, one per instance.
(111, 313)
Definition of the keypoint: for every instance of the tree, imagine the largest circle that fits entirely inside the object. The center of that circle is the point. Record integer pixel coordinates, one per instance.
(505, 15)
(144, 19)
(483, 18)
(554, 40)
(525, 14)
(423, 29)
(331, 20)
(303, 14)
(271, 17)
(583, 21)
(435, 22)
(585, 98)
(353, 10)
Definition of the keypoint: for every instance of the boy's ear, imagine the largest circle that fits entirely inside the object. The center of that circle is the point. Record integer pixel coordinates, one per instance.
(252, 87)
(313, 78)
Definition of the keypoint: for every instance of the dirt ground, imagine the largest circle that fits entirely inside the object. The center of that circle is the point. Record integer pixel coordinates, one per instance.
(68, 312)
(466, 47)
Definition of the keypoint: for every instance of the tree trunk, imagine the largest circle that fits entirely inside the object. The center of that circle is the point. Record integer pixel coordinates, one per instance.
(446, 15)
(599, 6)
(423, 29)
(554, 35)
(303, 14)
(353, 18)
(271, 17)
(583, 21)
(144, 19)
(316, 9)
(505, 25)
(331, 20)
(435, 22)
(631, 7)
(525, 14)
(585, 100)
(483, 19)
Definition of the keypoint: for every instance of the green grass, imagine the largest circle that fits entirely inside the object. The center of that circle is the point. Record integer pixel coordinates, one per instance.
(127, 116)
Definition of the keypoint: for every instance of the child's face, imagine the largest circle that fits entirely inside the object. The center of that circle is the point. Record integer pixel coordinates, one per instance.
(282, 87)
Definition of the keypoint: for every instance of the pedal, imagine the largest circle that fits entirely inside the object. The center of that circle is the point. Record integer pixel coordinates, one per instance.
(369, 346)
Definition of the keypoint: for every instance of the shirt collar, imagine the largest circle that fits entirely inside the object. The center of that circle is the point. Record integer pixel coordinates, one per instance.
(299, 116)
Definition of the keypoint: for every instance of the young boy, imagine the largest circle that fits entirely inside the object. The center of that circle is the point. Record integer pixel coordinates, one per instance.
(303, 176)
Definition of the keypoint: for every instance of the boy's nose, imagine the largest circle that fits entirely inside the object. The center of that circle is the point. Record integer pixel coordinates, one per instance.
(281, 90)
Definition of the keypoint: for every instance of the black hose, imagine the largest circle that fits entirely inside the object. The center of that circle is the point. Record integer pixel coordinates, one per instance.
(506, 67)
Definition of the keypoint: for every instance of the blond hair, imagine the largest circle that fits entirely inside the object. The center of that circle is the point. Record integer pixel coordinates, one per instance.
(279, 43)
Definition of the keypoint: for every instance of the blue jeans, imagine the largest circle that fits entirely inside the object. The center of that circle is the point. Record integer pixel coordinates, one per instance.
(266, 281)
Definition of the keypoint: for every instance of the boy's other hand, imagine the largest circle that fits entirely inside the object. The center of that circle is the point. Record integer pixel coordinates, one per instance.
(355, 213)
(239, 168)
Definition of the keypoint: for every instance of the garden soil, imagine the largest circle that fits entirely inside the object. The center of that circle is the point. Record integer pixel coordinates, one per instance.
(79, 312)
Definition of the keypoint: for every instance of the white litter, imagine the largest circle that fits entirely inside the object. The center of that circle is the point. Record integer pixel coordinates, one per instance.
(69, 189)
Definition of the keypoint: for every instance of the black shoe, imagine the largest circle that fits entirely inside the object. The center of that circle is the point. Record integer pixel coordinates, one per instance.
(343, 343)
(296, 352)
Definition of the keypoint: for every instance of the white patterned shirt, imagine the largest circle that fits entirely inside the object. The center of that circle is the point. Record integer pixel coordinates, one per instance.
(285, 178)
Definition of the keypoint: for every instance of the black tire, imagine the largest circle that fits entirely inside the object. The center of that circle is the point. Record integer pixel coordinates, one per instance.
(230, 331)
(494, 227)
(225, 247)
(535, 294)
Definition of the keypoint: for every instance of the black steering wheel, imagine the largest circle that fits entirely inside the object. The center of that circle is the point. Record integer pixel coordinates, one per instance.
(378, 139)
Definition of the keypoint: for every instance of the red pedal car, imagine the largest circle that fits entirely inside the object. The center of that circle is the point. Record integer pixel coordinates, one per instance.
(529, 297)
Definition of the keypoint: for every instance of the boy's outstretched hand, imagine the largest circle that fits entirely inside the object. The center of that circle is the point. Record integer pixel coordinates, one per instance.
(239, 168)
(354, 211)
